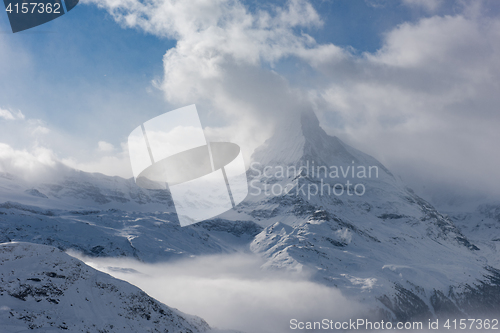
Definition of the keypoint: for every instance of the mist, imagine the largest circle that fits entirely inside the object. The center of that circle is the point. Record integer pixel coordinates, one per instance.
(233, 292)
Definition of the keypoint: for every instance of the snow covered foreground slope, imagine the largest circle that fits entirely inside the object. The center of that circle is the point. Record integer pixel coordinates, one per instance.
(44, 290)
(150, 237)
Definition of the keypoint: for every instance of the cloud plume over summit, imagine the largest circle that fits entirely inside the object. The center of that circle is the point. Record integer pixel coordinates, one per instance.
(421, 103)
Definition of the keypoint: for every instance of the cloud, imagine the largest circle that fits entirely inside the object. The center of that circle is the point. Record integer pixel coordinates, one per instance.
(219, 57)
(113, 163)
(425, 103)
(23, 152)
(377, 3)
(104, 146)
(29, 150)
(5, 114)
(40, 130)
(429, 5)
(31, 165)
(8, 115)
(233, 292)
(37, 162)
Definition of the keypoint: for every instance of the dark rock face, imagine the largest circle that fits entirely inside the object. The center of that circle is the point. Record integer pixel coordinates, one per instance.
(405, 305)
(482, 297)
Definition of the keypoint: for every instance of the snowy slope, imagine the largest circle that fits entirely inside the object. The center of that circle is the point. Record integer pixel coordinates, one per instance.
(69, 189)
(482, 226)
(392, 267)
(108, 216)
(46, 290)
(155, 236)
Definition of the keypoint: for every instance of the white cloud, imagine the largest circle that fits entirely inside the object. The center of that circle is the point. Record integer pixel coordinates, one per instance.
(233, 292)
(33, 164)
(425, 103)
(432, 43)
(40, 130)
(104, 146)
(28, 151)
(5, 114)
(8, 115)
(414, 97)
(20, 115)
(39, 162)
(23, 152)
(116, 164)
(218, 56)
(26, 159)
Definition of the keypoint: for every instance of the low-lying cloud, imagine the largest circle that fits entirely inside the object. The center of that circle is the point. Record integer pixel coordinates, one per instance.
(233, 292)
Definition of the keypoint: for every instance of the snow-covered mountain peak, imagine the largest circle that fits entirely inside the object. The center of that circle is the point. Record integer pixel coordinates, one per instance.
(301, 169)
(300, 141)
(285, 146)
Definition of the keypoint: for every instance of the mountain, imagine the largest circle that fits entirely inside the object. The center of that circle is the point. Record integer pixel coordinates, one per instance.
(149, 237)
(383, 244)
(303, 159)
(69, 189)
(315, 204)
(100, 215)
(482, 226)
(46, 290)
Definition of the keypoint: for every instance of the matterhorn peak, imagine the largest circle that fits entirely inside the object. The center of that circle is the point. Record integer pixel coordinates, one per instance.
(299, 141)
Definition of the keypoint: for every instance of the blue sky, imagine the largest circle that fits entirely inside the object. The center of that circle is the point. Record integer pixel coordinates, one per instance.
(375, 71)
(84, 66)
